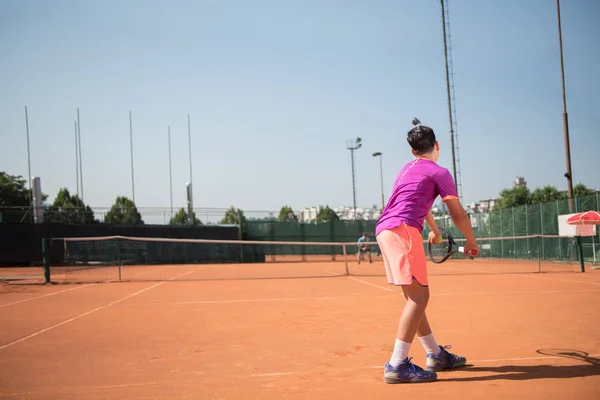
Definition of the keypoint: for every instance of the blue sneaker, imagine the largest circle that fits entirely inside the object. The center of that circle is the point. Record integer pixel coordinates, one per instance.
(444, 360)
(407, 372)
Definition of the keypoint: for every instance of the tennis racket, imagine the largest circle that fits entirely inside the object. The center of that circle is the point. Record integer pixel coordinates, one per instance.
(438, 253)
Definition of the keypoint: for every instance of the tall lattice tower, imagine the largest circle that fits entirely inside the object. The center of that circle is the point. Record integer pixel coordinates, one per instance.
(451, 96)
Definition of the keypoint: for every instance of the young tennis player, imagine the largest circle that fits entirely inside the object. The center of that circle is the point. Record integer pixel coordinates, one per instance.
(399, 236)
(363, 247)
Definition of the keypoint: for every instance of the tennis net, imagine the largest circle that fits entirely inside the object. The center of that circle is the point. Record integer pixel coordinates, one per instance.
(120, 258)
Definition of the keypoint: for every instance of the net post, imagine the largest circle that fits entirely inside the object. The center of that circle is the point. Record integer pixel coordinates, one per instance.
(538, 255)
(46, 259)
(514, 234)
(345, 259)
(580, 251)
(501, 235)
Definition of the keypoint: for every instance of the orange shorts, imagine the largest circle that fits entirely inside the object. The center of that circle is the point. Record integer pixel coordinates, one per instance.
(403, 255)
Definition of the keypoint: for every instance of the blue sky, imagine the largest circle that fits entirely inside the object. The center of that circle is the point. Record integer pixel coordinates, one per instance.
(275, 88)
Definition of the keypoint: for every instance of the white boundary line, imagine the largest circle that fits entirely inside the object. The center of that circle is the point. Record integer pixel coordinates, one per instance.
(561, 280)
(497, 360)
(247, 300)
(506, 293)
(370, 284)
(90, 312)
(44, 295)
(283, 299)
(265, 375)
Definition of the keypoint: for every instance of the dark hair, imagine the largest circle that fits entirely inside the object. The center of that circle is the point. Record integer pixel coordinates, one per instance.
(422, 139)
(365, 234)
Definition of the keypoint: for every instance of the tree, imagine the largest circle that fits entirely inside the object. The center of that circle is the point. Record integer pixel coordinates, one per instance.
(286, 214)
(183, 218)
(123, 211)
(15, 198)
(514, 197)
(326, 214)
(547, 194)
(586, 198)
(69, 210)
(581, 190)
(13, 192)
(234, 217)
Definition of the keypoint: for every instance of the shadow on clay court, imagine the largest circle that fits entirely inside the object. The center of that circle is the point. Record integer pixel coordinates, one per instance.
(527, 372)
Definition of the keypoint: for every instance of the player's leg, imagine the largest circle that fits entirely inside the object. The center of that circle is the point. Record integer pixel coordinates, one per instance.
(395, 248)
(369, 253)
(438, 357)
(400, 369)
(358, 255)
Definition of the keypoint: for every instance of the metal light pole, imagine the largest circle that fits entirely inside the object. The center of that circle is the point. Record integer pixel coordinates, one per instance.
(29, 177)
(170, 172)
(378, 154)
(353, 144)
(131, 151)
(568, 174)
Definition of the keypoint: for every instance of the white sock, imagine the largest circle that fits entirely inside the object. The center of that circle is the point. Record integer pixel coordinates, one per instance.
(400, 352)
(430, 345)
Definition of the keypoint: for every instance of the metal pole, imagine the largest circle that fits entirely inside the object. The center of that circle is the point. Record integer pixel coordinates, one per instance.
(501, 235)
(514, 234)
(170, 173)
(543, 253)
(527, 230)
(353, 183)
(80, 155)
(559, 246)
(190, 149)
(381, 175)
(449, 97)
(131, 150)
(76, 159)
(191, 180)
(353, 145)
(538, 255)
(28, 158)
(569, 174)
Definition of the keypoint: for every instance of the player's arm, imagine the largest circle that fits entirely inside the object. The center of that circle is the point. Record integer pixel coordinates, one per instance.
(435, 234)
(431, 222)
(462, 222)
(446, 189)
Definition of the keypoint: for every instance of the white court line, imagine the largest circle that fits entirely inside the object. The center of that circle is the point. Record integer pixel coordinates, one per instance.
(250, 300)
(269, 374)
(45, 295)
(360, 280)
(370, 284)
(561, 280)
(281, 299)
(89, 312)
(505, 293)
(497, 360)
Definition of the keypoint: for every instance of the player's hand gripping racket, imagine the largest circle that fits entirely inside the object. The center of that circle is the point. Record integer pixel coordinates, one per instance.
(438, 253)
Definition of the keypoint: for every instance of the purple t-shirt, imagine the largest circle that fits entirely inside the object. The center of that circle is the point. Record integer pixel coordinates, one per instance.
(416, 188)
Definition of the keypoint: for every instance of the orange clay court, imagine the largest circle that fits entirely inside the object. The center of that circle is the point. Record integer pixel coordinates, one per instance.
(205, 332)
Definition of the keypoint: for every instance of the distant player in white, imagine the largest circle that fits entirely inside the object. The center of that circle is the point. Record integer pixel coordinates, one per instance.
(363, 247)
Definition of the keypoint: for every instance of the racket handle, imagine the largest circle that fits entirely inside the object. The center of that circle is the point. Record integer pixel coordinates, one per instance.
(461, 249)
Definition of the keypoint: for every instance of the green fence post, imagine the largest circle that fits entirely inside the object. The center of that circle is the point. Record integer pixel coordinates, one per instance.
(46, 259)
(501, 235)
(514, 234)
(542, 229)
(332, 238)
(580, 251)
(303, 239)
